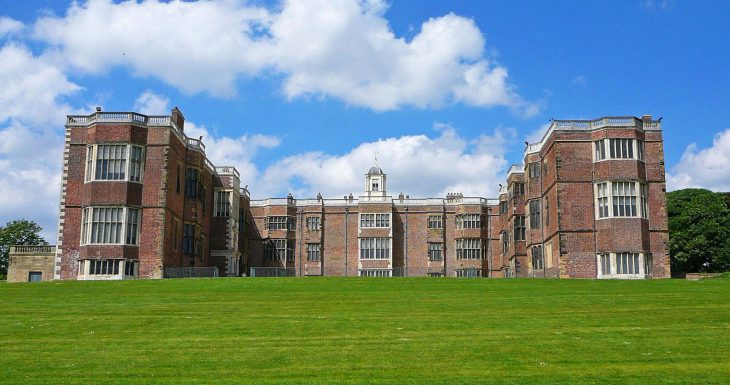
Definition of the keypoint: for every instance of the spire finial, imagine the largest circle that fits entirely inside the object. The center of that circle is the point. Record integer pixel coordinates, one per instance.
(376, 159)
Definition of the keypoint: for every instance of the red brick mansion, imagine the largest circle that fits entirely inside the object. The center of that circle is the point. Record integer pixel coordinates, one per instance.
(140, 199)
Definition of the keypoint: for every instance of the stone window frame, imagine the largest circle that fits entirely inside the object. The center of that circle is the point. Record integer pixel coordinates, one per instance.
(127, 231)
(314, 252)
(132, 168)
(435, 251)
(624, 264)
(609, 199)
(375, 248)
(618, 149)
(375, 220)
(469, 248)
(435, 221)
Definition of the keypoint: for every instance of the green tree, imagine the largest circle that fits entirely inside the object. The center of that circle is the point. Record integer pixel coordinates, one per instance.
(19, 232)
(699, 231)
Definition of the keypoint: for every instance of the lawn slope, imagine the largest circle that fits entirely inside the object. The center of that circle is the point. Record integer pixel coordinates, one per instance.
(366, 331)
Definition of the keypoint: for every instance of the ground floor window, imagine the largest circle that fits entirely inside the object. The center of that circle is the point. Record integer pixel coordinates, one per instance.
(468, 273)
(537, 260)
(435, 251)
(279, 249)
(313, 252)
(624, 264)
(108, 267)
(35, 276)
(374, 273)
(436, 274)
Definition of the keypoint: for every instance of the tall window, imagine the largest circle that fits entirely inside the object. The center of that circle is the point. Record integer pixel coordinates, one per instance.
(518, 188)
(468, 221)
(223, 203)
(504, 237)
(177, 180)
(279, 250)
(622, 198)
(313, 252)
(175, 230)
(534, 170)
(123, 162)
(110, 225)
(605, 264)
(191, 182)
(519, 228)
(188, 238)
(619, 148)
(435, 222)
(468, 248)
(535, 218)
(313, 223)
(374, 220)
(627, 263)
(503, 206)
(537, 261)
(435, 251)
(602, 199)
(600, 146)
(374, 248)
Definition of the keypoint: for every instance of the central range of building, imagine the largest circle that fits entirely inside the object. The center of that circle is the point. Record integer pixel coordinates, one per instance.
(141, 200)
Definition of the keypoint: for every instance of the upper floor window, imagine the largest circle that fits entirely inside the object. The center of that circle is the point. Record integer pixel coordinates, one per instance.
(503, 206)
(188, 244)
(535, 217)
(620, 199)
(519, 228)
(533, 169)
(518, 188)
(619, 148)
(191, 182)
(110, 225)
(435, 222)
(469, 221)
(374, 220)
(279, 223)
(312, 223)
(223, 204)
(123, 162)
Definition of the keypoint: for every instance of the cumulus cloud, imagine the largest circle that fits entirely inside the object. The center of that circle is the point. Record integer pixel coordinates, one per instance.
(149, 103)
(32, 110)
(343, 49)
(706, 168)
(417, 165)
(31, 176)
(9, 26)
(31, 87)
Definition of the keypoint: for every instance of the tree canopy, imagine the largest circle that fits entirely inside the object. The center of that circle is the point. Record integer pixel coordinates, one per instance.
(18, 232)
(699, 230)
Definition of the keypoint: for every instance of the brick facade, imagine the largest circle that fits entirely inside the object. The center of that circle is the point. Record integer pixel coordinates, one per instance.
(193, 214)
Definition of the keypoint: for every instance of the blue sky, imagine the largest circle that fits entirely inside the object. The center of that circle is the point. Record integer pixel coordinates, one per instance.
(300, 95)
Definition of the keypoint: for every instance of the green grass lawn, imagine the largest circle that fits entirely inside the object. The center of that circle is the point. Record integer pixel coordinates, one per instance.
(366, 331)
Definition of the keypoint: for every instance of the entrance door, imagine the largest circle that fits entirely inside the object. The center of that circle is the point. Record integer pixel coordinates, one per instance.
(35, 276)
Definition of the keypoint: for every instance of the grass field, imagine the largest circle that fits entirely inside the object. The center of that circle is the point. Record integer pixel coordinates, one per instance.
(366, 331)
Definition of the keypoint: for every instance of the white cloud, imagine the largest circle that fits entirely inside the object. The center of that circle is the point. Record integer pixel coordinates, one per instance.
(343, 49)
(31, 176)
(31, 87)
(416, 165)
(706, 168)
(32, 113)
(537, 135)
(149, 103)
(9, 26)
(238, 152)
(579, 80)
